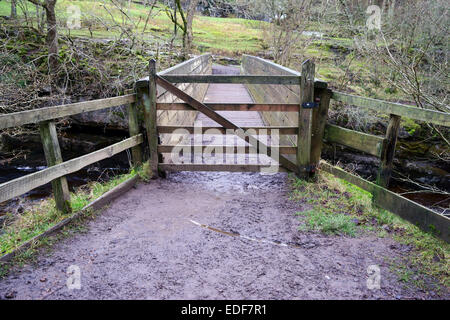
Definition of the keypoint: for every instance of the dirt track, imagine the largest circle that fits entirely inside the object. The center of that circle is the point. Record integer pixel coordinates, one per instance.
(147, 246)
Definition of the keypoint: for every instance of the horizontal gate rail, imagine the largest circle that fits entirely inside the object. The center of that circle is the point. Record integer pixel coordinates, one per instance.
(43, 114)
(279, 107)
(240, 79)
(216, 167)
(234, 79)
(258, 130)
(225, 149)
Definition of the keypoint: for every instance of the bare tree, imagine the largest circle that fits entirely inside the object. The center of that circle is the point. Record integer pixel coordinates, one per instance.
(188, 36)
(13, 9)
(414, 52)
(289, 19)
(52, 32)
(186, 22)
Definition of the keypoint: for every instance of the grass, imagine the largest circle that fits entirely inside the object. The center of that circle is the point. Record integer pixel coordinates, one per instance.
(39, 218)
(321, 220)
(340, 208)
(230, 36)
(334, 210)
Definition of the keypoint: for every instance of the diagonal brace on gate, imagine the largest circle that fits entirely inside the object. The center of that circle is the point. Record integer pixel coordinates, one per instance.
(201, 107)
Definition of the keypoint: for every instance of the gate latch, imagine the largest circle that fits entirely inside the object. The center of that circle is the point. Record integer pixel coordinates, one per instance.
(310, 105)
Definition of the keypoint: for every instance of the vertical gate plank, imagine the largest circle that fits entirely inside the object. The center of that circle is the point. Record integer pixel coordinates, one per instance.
(388, 152)
(53, 156)
(305, 120)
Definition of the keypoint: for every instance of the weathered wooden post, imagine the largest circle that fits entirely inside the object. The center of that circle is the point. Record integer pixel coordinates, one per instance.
(53, 156)
(133, 127)
(150, 117)
(319, 120)
(305, 119)
(388, 152)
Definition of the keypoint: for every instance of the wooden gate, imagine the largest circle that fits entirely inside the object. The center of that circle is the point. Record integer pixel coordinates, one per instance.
(312, 109)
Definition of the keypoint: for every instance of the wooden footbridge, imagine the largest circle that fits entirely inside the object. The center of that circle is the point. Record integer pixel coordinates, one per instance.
(286, 129)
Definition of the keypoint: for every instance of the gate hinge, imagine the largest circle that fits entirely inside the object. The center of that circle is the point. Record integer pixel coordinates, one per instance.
(310, 105)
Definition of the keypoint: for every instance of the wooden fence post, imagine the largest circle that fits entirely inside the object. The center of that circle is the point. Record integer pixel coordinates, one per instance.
(133, 125)
(319, 120)
(53, 156)
(305, 119)
(388, 152)
(150, 116)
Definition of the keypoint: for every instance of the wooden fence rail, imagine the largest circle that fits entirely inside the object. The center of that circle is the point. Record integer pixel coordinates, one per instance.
(387, 151)
(424, 218)
(356, 140)
(436, 117)
(57, 168)
(16, 119)
(216, 167)
(224, 148)
(19, 186)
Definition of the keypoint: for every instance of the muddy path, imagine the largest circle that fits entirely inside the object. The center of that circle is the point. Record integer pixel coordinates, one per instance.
(149, 244)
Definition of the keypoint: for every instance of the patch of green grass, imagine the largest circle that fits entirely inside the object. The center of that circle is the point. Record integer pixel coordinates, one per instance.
(88, 193)
(410, 125)
(328, 222)
(34, 221)
(316, 50)
(335, 207)
(328, 73)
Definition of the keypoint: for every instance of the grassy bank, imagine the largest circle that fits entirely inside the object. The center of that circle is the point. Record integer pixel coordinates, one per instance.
(339, 208)
(103, 20)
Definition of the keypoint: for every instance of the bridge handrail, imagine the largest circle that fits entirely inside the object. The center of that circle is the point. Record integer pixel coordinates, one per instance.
(431, 116)
(16, 119)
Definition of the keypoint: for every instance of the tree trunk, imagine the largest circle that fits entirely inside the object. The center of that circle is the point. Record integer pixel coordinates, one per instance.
(188, 35)
(13, 9)
(39, 14)
(52, 36)
(175, 26)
